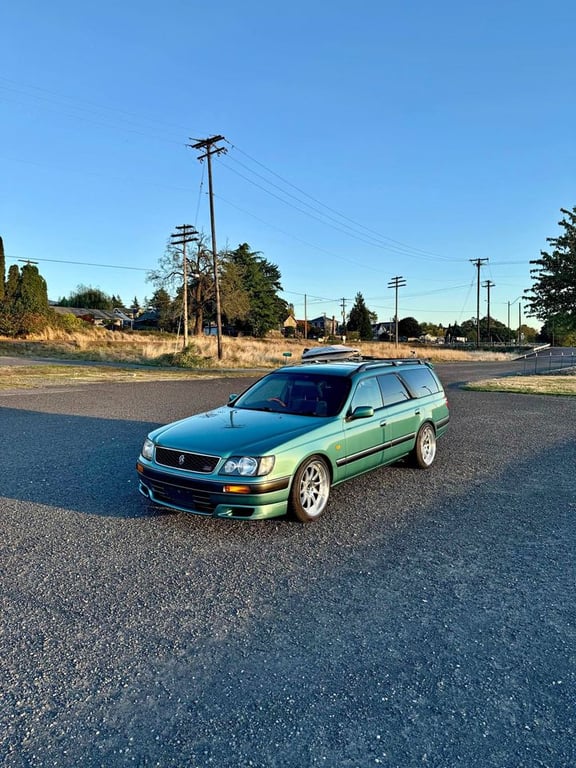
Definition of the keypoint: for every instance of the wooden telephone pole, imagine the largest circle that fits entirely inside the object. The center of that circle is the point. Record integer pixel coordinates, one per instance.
(207, 145)
(186, 234)
(396, 282)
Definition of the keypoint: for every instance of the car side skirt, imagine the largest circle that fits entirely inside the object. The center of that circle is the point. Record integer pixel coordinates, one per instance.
(375, 449)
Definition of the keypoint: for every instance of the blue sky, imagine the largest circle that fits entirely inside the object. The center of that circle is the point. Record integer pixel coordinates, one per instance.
(365, 141)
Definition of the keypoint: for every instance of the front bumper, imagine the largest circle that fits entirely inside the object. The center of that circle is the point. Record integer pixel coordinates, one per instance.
(255, 501)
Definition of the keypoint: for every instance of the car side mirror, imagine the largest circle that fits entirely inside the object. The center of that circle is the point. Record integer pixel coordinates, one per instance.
(231, 398)
(361, 412)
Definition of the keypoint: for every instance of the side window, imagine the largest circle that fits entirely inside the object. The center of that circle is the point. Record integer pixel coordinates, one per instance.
(421, 381)
(393, 390)
(334, 391)
(367, 393)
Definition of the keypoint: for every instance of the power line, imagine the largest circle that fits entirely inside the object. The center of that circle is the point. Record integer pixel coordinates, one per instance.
(399, 243)
(299, 239)
(84, 264)
(331, 220)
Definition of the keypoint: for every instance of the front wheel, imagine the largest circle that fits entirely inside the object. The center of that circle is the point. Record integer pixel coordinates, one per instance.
(425, 448)
(310, 489)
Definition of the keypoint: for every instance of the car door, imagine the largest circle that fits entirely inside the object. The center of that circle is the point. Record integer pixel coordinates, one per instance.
(400, 417)
(364, 436)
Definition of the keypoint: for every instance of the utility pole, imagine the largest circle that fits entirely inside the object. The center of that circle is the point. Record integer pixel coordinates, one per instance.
(396, 282)
(343, 305)
(478, 263)
(305, 317)
(207, 145)
(186, 234)
(488, 284)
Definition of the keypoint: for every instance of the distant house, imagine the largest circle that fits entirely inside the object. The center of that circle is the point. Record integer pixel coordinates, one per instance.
(98, 317)
(289, 325)
(384, 331)
(146, 321)
(327, 325)
(125, 318)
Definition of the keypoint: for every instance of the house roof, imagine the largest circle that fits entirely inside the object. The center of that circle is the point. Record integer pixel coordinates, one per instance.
(97, 314)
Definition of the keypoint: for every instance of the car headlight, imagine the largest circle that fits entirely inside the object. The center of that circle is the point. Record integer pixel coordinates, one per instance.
(148, 449)
(248, 466)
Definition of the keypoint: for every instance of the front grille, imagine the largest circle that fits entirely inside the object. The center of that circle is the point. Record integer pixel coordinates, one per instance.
(191, 462)
(188, 498)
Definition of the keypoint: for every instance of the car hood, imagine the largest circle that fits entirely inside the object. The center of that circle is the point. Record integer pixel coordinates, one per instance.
(232, 431)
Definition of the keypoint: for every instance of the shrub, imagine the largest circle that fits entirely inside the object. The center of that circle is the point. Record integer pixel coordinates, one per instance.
(191, 357)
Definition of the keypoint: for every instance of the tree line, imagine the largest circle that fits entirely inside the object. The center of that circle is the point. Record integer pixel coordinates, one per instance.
(250, 303)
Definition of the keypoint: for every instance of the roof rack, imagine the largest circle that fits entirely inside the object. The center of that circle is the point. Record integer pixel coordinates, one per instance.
(367, 362)
(364, 362)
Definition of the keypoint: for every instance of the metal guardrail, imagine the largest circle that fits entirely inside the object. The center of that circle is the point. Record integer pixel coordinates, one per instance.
(550, 361)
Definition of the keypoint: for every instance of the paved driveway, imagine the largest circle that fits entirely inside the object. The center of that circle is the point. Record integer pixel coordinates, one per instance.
(427, 620)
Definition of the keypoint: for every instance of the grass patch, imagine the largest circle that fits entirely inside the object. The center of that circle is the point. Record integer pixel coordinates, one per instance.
(46, 375)
(528, 385)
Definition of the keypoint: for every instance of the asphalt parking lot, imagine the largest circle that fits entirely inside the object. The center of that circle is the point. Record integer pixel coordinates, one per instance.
(427, 619)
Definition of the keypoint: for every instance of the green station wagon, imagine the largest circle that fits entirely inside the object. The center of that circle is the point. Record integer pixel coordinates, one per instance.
(281, 446)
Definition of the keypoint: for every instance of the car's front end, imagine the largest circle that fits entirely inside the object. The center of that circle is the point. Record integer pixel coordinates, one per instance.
(228, 463)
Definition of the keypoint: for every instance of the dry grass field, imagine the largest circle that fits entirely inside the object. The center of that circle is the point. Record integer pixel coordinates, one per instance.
(143, 357)
(165, 350)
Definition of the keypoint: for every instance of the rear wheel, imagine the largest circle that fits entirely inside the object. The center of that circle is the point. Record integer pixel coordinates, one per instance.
(425, 449)
(310, 489)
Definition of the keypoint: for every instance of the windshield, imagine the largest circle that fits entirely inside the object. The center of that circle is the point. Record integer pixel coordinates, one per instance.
(311, 394)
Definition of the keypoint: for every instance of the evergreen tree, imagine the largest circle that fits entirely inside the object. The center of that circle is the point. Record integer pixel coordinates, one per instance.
(554, 290)
(162, 303)
(25, 304)
(260, 279)
(12, 281)
(31, 293)
(359, 319)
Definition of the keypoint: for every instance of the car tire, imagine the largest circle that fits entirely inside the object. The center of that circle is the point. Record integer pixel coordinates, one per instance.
(310, 490)
(424, 451)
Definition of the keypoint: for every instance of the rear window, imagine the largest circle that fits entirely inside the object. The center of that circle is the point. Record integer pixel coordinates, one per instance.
(421, 381)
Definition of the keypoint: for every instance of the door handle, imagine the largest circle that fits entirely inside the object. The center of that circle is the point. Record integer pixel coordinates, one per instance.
(382, 423)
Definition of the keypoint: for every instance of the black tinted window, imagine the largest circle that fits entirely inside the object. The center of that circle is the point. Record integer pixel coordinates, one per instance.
(393, 390)
(421, 381)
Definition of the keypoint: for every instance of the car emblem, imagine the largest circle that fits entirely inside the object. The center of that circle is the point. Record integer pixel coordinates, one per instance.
(181, 459)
